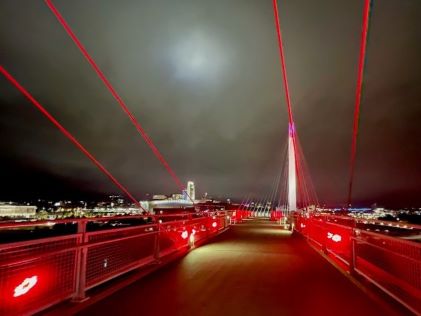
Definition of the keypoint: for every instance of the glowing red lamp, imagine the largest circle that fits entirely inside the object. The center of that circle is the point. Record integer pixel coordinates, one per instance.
(184, 234)
(25, 286)
(334, 237)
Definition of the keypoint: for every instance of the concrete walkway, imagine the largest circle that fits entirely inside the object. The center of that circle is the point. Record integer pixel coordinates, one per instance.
(255, 268)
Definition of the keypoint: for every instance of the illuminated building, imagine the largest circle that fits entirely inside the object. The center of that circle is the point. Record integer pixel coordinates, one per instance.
(191, 190)
(18, 211)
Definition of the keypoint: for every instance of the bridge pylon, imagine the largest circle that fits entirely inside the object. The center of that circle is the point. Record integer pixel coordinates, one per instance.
(292, 169)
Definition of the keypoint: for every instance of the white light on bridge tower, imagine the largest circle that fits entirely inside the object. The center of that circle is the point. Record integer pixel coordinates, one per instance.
(292, 170)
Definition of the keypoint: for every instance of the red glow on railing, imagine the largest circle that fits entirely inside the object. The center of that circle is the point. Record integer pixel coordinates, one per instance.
(334, 237)
(109, 254)
(25, 286)
(275, 215)
(184, 234)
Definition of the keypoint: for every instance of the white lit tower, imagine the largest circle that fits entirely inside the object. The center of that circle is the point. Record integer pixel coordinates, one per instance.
(292, 169)
(191, 190)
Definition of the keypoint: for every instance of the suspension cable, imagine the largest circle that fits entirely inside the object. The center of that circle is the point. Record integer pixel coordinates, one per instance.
(68, 135)
(282, 57)
(358, 94)
(116, 96)
(300, 169)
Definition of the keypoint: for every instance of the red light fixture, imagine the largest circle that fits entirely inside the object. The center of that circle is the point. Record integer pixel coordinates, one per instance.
(334, 237)
(25, 286)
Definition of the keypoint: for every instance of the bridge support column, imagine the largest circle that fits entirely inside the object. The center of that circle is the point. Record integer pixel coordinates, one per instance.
(292, 170)
(352, 260)
(156, 244)
(80, 267)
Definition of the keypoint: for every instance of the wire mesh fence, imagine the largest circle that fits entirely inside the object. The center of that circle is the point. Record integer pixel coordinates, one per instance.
(35, 274)
(393, 264)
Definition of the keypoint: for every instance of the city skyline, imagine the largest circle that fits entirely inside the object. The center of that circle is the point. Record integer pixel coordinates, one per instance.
(211, 158)
(207, 90)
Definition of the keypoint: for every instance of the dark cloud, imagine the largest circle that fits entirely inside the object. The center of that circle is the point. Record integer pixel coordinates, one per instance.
(203, 78)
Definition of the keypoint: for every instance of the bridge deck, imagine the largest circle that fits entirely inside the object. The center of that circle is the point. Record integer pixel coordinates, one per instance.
(253, 269)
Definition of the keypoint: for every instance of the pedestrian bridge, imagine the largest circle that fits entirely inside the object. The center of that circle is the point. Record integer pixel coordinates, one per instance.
(255, 268)
(207, 266)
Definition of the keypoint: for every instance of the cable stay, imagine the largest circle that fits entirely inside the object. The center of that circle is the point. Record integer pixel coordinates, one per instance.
(116, 96)
(66, 133)
(358, 93)
(298, 191)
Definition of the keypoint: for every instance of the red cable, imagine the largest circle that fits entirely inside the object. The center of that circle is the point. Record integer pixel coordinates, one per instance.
(363, 47)
(282, 57)
(67, 134)
(114, 93)
(291, 125)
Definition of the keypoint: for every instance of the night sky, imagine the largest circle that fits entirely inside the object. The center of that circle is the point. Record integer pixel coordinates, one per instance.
(204, 80)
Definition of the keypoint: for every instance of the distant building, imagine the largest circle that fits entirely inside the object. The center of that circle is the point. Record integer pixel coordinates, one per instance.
(159, 197)
(177, 196)
(185, 195)
(145, 205)
(17, 211)
(116, 200)
(175, 201)
(191, 190)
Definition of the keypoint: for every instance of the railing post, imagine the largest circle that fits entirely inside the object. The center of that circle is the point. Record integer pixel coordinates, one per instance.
(325, 238)
(208, 226)
(352, 261)
(192, 236)
(156, 242)
(81, 259)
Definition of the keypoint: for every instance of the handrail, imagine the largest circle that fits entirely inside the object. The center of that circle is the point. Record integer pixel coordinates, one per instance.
(68, 265)
(352, 247)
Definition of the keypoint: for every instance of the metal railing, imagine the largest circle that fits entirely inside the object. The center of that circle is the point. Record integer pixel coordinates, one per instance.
(38, 273)
(392, 264)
